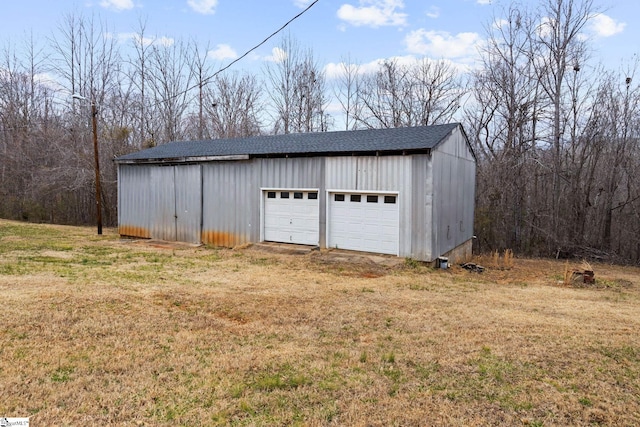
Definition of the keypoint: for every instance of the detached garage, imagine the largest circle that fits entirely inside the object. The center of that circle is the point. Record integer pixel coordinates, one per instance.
(407, 191)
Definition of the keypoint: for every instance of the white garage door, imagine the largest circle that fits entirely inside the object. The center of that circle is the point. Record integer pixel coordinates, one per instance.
(364, 222)
(291, 216)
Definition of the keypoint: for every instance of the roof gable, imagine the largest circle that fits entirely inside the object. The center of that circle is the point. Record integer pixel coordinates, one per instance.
(394, 140)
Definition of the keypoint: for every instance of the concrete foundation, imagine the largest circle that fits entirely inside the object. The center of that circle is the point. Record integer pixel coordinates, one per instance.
(461, 253)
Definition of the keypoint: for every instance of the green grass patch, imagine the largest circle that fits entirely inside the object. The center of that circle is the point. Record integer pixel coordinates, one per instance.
(280, 378)
(62, 374)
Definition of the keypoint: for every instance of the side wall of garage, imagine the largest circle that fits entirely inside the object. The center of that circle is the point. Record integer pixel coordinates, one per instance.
(422, 208)
(454, 172)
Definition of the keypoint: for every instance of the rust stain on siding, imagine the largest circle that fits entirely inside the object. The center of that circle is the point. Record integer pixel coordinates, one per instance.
(134, 231)
(222, 238)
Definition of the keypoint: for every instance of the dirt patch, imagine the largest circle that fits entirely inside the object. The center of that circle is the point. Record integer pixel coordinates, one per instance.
(161, 244)
(355, 264)
(281, 248)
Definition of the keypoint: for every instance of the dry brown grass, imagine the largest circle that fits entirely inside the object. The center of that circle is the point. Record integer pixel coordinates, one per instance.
(95, 331)
(504, 260)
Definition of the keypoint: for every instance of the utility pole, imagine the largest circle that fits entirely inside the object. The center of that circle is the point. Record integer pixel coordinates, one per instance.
(94, 125)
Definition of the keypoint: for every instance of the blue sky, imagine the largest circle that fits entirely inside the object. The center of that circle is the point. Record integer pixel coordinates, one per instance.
(365, 30)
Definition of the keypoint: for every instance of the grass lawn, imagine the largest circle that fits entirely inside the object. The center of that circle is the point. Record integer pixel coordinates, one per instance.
(97, 331)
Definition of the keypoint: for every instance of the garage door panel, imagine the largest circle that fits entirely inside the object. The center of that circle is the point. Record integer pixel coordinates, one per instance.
(372, 214)
(291, 220)
(389, 216)
(366, 225)
(371, 229)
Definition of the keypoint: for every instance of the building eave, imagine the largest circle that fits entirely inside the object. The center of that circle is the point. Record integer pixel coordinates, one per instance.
(194, 159)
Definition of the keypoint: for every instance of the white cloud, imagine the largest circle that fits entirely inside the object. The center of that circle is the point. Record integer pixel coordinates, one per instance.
(205, 7)
(144, 41)
(277, 55)
(545, 29)
(302, 3)
(433, 12)
(374, 13)
(49, 80)
(117, 4)
(600, 25)
(164, 41)
(333, 70)
(441, 44)
(484, 2)
(222, 52)
(500, 23)
(605, 26)
(334, 108)
(336, 70)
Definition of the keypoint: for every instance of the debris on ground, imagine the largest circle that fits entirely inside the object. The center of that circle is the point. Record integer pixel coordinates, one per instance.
(582, 276)
(477, 268)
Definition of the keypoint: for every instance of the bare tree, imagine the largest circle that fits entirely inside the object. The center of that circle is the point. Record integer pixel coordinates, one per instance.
(138, 75)
(86, 62)
(169, 78)
(201, 68)
(617, 188)
(399, 95)
(347, 92)
(437, 89)
(385, 96)
(557, 140)
(281, 76)
(502, 120)
(233, 104)
(309, 96)
(297, 90)
(561, 50)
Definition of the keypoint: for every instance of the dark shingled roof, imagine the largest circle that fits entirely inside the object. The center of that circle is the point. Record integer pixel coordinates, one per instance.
(381, 141)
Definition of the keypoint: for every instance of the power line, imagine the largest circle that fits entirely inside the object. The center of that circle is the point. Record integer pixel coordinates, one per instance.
(208, 79)
(265, 40)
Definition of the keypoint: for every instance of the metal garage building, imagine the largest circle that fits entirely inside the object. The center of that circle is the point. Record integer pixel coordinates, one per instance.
(406, 191)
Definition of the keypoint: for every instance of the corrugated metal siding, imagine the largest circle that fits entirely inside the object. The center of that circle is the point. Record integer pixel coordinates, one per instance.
(421, 188)
(188, 202)
(297, 172)
(232, 195)
(454, 171)
(469, 197)
(231, 203)
(133, 201)
(370, 173)
(162, 203)
(342, 173)
(159, 202)
(457, 146)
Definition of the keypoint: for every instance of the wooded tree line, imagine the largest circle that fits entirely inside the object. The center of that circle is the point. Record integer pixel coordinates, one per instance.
(557, 139)
(556, 136)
